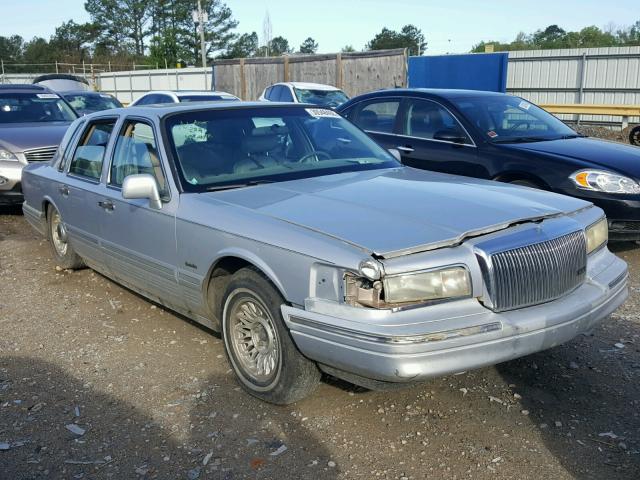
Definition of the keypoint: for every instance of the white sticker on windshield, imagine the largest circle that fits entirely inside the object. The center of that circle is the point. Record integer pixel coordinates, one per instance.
(321, 112)
(47, 95)
(105, 95)
(524, 105)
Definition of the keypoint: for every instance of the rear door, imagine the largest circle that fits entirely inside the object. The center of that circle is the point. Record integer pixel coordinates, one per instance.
(139, 240)
(379, 118)
(79, 192)
(423, 128)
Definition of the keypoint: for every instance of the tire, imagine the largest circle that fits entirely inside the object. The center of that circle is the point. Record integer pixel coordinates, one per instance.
(63, 253)
(252, 322)
(634, 136)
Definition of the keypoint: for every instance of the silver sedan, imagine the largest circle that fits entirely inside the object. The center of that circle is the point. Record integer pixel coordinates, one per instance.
(312, 249)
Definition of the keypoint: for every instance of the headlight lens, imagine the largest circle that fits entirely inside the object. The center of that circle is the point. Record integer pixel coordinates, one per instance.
(601, 181)
(597, 235)
(432, 285)
(7, 155)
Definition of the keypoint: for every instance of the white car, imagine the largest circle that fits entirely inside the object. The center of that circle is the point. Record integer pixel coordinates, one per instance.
(302, 92)
(180, 96)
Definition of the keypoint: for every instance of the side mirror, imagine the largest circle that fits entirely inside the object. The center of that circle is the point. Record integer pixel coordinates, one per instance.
(396, 154)
(451, 135)
(142, 185)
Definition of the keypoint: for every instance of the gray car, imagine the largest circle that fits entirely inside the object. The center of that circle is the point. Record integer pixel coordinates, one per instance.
(33, 120)
(311, 249)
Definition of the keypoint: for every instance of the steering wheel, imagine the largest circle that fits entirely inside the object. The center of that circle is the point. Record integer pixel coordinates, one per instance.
(308, 157)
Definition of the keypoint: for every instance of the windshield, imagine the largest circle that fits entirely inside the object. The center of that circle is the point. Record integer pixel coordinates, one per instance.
(89, 103)
(27, 107)
(217, 148)
(330, 98)
(504, 119)
(206, 98)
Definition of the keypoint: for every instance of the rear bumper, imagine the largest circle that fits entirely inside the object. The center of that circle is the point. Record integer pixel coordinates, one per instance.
(412, 345)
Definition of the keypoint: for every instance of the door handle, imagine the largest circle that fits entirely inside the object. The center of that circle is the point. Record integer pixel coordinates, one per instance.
(405, 149)
(106, 204)
(64, 190)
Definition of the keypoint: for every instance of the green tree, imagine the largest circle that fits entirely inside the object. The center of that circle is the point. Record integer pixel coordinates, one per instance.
(123, 23)
(409, 37)
(309, 46)
(11, 48)
(38, 50)
(218, 28)
(245, 46)
(279, 46)
(72, 42)
(348, 49)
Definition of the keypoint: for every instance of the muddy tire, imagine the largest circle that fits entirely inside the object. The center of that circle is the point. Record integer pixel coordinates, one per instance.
(258, 344)
(63, 253)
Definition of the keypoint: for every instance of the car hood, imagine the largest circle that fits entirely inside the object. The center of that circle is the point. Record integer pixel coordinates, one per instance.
(398, 211)
(25, 136)
(589, 152)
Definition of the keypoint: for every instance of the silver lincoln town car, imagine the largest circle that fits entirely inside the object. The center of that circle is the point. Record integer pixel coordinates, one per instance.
(310, 248)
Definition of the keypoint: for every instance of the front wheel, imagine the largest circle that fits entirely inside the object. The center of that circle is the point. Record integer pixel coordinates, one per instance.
(259, 346)
(63, 253)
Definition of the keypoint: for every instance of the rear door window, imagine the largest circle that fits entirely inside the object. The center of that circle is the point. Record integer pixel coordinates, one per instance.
(285, 94)
(89, 154)
(378, 116)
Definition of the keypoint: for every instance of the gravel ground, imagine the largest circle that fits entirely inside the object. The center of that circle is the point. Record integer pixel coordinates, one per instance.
(605, 133)
(96, 382)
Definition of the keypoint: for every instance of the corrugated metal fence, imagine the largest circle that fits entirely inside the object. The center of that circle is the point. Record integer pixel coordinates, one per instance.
(608, 76)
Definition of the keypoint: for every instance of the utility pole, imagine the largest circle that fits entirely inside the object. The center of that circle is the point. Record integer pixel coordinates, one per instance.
(201, 19)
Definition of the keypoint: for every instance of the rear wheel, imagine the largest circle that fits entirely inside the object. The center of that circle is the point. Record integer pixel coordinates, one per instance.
(259, 346)
(63, 253)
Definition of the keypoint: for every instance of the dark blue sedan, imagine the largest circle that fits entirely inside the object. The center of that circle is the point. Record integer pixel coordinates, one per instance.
(505, 138)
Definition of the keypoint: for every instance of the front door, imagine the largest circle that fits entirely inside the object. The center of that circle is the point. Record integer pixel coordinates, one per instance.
(425, 140)
(140, 240)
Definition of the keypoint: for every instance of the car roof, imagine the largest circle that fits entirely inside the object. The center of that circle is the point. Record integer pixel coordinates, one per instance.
(438, 92)
(23, 87)
(160, 110)
(83, 92)
(309, 85)
(180, 93)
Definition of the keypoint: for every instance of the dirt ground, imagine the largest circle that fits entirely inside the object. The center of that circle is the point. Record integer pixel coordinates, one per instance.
(96, 382)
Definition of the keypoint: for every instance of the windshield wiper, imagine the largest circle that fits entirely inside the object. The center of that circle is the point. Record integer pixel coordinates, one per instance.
(573, 135)
(251, 183)
(521, 140)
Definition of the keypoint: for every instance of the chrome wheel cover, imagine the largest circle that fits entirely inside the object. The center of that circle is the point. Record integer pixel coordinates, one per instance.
(58, 234)
(254, 339)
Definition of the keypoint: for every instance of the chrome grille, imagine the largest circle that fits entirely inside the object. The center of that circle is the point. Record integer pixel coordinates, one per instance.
(40, 154)
(535, 273)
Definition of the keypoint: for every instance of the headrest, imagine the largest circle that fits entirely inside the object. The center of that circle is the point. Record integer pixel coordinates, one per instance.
(263, 139)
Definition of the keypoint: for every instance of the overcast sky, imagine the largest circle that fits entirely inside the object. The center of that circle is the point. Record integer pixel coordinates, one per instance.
(448, 26)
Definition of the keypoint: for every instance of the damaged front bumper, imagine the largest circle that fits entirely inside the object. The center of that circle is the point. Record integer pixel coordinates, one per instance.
(415, 344)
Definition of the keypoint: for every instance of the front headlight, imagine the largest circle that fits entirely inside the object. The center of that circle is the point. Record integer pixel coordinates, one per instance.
(597, 235)
(447, 283)
(7, 155)
(602, 181)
